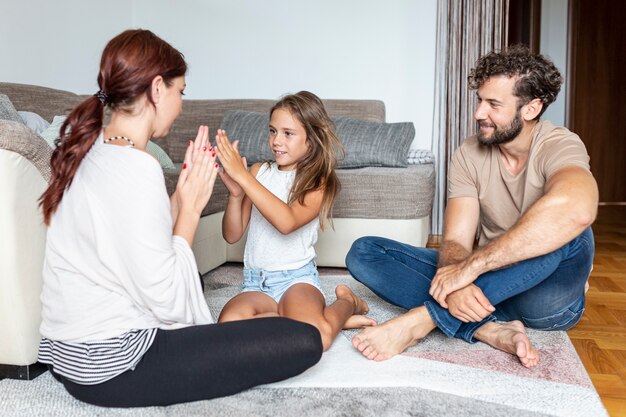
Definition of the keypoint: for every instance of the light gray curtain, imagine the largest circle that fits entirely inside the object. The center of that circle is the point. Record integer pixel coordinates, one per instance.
(466, 29)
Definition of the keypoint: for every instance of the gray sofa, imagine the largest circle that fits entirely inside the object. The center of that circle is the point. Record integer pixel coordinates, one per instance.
(391, 202)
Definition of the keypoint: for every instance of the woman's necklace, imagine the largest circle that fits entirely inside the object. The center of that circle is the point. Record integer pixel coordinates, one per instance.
(120, 137)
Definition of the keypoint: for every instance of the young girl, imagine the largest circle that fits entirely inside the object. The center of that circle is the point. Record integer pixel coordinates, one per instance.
(283, 201)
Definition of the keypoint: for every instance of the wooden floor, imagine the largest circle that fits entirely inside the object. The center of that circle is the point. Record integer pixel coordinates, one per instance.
(600, 336)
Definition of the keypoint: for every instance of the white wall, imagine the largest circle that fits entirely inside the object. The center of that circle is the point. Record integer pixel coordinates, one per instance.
(57, 43)
(241, 48)
(554, 45)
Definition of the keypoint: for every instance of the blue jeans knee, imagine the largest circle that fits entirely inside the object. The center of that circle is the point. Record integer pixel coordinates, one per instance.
(564, 319)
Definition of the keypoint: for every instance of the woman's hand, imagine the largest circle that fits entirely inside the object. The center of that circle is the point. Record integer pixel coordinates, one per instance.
(234, 165)
(196, 180)
(200, 142)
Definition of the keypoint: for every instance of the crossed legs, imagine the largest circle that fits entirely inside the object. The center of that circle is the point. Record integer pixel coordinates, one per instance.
(545, 293)
(305, 303)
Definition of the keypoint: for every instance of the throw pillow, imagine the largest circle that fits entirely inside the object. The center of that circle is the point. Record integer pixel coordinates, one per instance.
(7, 110)
(365, 143)
(420, 156)
(374, 144)
(34, 121)
(52, 133)
(161, 156)
(252, 131)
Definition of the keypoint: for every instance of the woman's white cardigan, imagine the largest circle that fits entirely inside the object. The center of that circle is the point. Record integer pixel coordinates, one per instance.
(111, 262)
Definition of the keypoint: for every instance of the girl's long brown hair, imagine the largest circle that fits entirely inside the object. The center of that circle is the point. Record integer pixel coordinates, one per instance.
(129, 64)
(317, 169)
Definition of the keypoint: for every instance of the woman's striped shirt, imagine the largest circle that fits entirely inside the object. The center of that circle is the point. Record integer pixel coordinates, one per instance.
(92, 363)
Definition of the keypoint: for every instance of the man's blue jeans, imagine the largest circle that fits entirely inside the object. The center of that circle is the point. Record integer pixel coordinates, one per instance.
(546, 292)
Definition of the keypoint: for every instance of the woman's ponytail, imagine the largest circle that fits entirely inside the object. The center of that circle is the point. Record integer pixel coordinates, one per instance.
(78, 134)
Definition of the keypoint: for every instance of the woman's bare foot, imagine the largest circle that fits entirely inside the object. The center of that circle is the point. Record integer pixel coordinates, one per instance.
(510, 337)
(394, 336)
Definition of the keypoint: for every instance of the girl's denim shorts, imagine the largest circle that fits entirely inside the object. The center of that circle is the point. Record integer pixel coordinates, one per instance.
(276, 283)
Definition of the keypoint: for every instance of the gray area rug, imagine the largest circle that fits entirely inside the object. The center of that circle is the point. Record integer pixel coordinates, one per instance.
(437, 377)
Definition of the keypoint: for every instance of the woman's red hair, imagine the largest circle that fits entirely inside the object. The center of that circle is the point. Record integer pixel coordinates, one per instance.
(129, 63)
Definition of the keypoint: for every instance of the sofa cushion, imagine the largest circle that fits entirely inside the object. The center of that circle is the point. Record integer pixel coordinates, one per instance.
(366, 143)
(366, 193)
(46, 102)
(7, 110)
(385, 193)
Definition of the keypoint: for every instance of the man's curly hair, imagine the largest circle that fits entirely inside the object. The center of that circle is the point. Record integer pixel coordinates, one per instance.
(538, 76)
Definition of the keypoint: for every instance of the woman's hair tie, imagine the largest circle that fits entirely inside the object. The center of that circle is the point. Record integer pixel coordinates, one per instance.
(102, 96)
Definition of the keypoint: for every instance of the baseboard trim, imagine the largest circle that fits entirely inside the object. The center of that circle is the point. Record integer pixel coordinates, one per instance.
(24, 372)
(434, 241)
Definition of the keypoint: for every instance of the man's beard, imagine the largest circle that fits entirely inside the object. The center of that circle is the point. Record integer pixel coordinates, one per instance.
(502, 135)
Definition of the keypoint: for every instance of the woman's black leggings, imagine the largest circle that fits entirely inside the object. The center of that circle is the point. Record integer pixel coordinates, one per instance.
(208, 361)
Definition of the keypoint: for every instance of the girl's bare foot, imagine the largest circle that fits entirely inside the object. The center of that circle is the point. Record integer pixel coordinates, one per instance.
(345, 293)
(394, 336)
(511, 338)
(357, 321)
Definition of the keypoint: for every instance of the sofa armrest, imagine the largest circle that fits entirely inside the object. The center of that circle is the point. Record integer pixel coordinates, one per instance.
(17, 137)
(21, 258)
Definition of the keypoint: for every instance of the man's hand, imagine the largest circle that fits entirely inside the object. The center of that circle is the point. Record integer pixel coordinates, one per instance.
(449, 279)
(469, 304)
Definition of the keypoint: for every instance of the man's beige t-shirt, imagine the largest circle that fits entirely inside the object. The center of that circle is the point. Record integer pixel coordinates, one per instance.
(478, 171)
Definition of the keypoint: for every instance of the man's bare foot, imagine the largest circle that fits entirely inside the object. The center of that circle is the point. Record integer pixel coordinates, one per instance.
(394, 336)
(510, 337)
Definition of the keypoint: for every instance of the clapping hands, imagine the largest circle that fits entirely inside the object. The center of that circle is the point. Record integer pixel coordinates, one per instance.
(235, 165)
(196, 180)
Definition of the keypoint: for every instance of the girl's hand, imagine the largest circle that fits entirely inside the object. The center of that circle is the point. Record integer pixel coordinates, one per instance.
(234, 165)
(233, 188)
(196, 180)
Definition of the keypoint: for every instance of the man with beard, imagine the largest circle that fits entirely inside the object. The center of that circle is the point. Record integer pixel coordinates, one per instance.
(522, 187)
